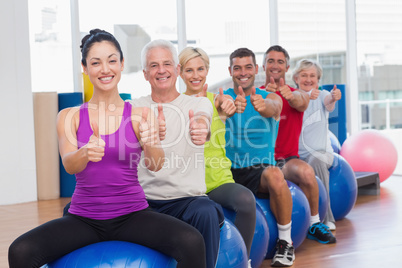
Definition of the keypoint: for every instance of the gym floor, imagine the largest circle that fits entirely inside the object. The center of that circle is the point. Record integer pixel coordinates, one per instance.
(369, 236)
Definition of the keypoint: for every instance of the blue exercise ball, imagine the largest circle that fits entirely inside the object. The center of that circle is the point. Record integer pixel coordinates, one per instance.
(300, 218)
(342, 187)
(114, 254)
(229, 214)
(232, 250)
(336, 145)
(259, 246)
(300, 214)
(261, 235)
(323, 199)
(272, 225)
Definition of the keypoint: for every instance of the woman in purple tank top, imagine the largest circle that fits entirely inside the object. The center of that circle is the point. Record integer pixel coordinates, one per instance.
(101, 142)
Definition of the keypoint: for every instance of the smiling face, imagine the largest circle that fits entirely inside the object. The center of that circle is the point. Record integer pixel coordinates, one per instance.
(104, 66)
(307, 79)
(243, 71)
(161, 71)
(194, 75)
(275, 66)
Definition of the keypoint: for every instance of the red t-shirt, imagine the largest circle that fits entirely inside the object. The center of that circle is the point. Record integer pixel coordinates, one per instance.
(290, 126)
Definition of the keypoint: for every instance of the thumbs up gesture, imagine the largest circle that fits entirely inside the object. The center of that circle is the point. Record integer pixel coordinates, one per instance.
(257, 101)
(271, 86)
(285, 90)
(95, 146)
(199, 128)
(240, 101)
(148, 133)
(161, 122)
(314, 93)
(336, 94)
(226, 103)
(203, 92)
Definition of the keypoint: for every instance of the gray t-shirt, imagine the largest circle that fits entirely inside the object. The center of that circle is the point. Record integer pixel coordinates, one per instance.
(183, 172)
(314, 137)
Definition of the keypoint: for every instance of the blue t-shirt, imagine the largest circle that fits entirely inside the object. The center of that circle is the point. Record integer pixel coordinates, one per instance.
(250, 138)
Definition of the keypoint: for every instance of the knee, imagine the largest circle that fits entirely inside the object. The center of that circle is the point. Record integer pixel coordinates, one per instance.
(208, 211)
(307, 176)
(17, 248)
(188, 246)
(273, 177)
(245, 201)
(20, 253)
(323, 161)
(314, 161)
(192, 241)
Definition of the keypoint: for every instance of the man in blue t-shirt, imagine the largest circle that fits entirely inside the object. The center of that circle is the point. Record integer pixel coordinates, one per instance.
(250, 141)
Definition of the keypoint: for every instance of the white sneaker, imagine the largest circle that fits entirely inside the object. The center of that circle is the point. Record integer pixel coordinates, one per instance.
(249, 264)
(284, 255)
(331, 225)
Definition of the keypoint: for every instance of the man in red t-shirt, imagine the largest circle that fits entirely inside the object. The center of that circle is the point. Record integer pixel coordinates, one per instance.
(295, 102)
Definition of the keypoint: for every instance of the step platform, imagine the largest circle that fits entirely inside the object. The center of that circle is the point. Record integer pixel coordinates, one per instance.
(368, 183)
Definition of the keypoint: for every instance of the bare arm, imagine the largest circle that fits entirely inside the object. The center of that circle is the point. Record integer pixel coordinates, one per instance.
(75, 160)
(331, 99)
(275, 103)
(299, 101)
(271, 106)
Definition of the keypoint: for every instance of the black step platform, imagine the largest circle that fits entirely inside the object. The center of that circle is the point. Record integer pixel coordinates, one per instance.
(368, 183)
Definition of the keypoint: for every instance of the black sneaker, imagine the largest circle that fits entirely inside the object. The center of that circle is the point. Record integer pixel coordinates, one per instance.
(284, 255)
(320, 232)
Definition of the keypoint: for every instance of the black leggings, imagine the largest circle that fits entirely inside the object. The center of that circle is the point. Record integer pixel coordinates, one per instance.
(58, 237)
(240, 199)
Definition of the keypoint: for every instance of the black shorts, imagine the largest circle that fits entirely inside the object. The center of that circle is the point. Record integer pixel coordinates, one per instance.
(250, 177)
(281, 162)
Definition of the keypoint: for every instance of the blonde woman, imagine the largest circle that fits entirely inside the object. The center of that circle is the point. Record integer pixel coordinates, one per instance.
(218, 177)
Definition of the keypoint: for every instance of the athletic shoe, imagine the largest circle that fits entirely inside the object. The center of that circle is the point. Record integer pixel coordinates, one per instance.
(320, 232)
(284, 255)
(331, 225)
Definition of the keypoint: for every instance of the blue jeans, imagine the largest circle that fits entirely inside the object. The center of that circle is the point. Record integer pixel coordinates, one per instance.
(202, 213)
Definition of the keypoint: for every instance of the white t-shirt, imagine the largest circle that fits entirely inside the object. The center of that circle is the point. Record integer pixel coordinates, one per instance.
(314, 137)
(183, 172)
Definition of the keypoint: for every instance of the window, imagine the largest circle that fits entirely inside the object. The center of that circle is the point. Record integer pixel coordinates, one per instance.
(315, 30)
(50, 42)
(379, 46)
(220, 27)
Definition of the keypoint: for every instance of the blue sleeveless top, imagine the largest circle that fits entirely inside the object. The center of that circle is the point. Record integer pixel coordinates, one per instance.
(250, 138)
(109, 188)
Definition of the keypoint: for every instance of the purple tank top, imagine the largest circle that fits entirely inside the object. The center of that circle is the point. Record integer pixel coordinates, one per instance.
(109, 188)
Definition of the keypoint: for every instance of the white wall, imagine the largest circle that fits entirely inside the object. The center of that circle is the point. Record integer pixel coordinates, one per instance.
(17, 150)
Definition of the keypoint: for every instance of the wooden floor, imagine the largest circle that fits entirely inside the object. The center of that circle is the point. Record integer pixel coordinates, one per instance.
(370, 235)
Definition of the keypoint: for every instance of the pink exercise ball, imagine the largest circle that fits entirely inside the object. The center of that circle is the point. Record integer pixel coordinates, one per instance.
(370, 151)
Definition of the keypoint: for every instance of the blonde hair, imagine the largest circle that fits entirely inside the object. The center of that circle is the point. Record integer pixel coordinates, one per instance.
(306, 64)
(190, 53)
